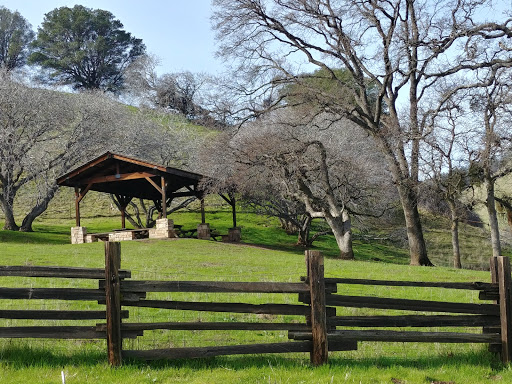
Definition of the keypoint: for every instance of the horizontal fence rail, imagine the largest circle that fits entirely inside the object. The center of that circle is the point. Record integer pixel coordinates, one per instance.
(211, 286)
(58, 294)
(478, 286)
(56, 315)
(405, 336)
(58, 272)
(415, 321)
(411, 305)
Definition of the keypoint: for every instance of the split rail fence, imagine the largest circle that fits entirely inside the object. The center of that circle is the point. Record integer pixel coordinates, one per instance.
(318, 299)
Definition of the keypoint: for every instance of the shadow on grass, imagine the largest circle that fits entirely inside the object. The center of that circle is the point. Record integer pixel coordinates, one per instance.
(23, 357)
(36, 237)
(483, 359)
(42, 234)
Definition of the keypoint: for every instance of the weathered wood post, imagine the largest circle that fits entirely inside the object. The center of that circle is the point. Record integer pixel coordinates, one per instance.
(77, 206)
(113, 302)
(315, 267)
(164, 198)
(493, 266)
(504, 285)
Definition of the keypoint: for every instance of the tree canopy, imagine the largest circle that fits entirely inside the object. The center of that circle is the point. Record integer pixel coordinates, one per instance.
(398, 54)
(15, 36)
(85, 47)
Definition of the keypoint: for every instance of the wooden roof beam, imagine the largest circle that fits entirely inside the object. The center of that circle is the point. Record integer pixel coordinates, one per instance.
(119, 177)
(83, 192)
(154, 184)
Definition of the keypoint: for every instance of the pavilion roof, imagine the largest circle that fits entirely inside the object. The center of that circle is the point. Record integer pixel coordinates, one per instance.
(127, 176)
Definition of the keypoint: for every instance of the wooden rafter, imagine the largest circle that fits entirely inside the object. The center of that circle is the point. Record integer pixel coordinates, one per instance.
(83, 192)
(119, 177)
(154, 184)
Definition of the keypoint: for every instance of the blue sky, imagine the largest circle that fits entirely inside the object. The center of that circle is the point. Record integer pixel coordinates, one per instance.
(176, 31)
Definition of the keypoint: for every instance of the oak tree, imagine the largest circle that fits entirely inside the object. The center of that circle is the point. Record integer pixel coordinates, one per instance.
(15, 36)
(395, 51)
(86, 48)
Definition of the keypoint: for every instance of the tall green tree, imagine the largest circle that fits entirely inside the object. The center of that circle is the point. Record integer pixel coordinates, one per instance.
(85, 47)
(15, 36)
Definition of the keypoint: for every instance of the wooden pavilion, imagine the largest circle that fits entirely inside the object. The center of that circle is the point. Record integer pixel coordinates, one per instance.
(127, 178)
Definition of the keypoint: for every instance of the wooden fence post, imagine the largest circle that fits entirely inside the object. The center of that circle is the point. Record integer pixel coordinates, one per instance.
(504, 285)
(113, 302)
(493, 266)
(315, 265)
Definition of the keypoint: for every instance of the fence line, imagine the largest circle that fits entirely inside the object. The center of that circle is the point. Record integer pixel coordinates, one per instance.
(318, 333)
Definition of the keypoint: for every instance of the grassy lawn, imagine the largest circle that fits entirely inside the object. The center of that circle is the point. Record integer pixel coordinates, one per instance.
(275, 259)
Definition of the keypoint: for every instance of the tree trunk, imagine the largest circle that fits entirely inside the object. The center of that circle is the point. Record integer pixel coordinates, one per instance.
(455, 235)
(7, 208)
(342, 229)
(304, 230)
(37, 210)
(505, 203)
(288, 226)
(493, 218)
(417, 247)
(455, 243)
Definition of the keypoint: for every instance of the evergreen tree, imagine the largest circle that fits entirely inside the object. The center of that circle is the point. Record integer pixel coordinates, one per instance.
(85, 47)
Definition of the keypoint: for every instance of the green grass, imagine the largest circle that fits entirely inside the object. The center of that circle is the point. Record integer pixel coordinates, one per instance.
(276, 260)
(268, 254)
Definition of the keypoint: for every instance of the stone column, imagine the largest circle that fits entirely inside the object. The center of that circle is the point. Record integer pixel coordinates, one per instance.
(78, 235)
(234, 235)
(203, 231)
(164, 229)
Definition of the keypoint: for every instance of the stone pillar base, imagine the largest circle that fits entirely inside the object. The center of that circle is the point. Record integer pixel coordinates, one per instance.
(234, 235)
(164, 229)
(203, 231)
(78, 235)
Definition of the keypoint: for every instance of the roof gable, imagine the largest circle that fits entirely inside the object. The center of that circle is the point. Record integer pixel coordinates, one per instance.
(131, 177)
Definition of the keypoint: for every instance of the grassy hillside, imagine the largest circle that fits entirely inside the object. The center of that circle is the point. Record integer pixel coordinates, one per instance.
(379, 243)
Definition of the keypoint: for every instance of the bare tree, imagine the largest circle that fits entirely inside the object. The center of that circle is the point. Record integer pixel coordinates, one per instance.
(447, 164)
(395, 52)
(181, 92)
(490, 161)
(296, 157)
(44, 133)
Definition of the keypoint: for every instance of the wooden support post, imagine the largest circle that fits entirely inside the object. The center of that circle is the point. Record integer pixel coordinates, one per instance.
(493, 266)
(113, 302)
(164, 199)
(77, 206)
(203, 216)
(233, 205)
(315, 265)
(123, 218)
(504, 285)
